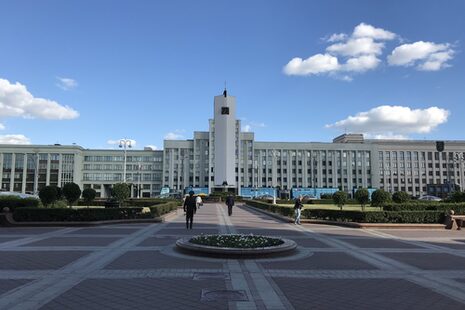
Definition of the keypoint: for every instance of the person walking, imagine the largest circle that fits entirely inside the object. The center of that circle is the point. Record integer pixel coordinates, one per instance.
(190, 207)
(230, 203)
(198, 201)
(297, 209)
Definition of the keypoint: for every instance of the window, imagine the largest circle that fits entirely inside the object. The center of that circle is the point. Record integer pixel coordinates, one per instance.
(224, 110)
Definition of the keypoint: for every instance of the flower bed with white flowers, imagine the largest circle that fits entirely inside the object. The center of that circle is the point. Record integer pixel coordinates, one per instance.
(235, 244)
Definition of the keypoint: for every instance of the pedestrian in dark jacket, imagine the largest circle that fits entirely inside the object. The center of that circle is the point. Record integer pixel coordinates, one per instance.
(230, 203)
(297, 209)
(190, 207)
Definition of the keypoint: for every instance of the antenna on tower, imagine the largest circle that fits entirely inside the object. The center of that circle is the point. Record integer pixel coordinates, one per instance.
(225, 92)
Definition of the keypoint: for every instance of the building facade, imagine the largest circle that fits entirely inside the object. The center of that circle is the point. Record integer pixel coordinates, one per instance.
(224, 158)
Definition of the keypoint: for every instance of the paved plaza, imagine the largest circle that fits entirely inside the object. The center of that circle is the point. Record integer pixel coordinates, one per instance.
(136, 266)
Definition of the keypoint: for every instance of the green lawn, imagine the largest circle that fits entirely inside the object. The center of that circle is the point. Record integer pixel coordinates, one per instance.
(333, 207)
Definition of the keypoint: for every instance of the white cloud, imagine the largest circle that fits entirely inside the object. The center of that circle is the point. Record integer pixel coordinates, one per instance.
(258, 125)
(367, 31)
(315, 64)
(360, 52)
(17, 101)
(393, 121)
(175, 135)
(118, 142)
(14, 139)
(2, 126)
(361, 63)
(66, 83)
(337, 37)
(355, 47)
(386, 136)
(426, 56)
(351, 54)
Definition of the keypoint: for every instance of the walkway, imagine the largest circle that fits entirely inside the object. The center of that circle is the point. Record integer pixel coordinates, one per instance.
(136, 267)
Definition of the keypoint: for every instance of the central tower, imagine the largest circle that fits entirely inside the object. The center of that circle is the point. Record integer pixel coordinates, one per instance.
(225, 141)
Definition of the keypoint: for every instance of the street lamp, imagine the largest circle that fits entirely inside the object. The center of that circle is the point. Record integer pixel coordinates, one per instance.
(124, 144)
(459, 158)
(139, 166)
(35, 161)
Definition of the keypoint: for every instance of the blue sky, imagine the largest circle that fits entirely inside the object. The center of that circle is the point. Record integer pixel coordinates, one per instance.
(89, 72)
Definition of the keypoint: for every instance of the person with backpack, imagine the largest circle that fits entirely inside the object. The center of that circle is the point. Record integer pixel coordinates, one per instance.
(297, 209)
(190, 207)
(198, 201)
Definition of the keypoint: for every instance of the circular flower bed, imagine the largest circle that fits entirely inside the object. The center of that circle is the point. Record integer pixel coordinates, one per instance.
(235, 245)
(236, 241)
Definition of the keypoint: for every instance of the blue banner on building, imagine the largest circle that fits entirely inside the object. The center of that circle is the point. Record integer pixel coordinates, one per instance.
(197, 190)
(312, 192)
(250, 192)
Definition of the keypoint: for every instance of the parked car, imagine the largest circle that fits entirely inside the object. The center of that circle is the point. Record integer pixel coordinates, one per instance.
(20, 195)
(429, 198)
(265, 197)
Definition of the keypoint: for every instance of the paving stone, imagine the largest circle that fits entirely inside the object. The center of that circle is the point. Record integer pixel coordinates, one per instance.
(270, 232)
(104, 231)
(379, 243)
(155, 259)
(187, 232)
(73, 241)
(362, 294)
(430, 261)
(37, 260)
(9, 284)
(139, 294)
(321, 260)
(159, 241)
(309, 243)
(7, 239)
(27, 230)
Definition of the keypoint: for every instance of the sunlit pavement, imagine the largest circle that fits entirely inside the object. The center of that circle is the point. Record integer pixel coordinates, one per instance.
(137, 267)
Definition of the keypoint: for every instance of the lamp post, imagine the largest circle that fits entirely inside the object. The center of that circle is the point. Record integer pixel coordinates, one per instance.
(139, 166)
(459, 158)
(124, 144)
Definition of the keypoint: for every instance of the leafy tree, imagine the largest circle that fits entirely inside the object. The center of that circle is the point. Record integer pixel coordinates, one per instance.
(48, 195)
(400, 197)
(120, 192)
(362, 197)
(340, 198)
(72, 192)
(59, 192)
(457, 196)
(89, 195)
(379, 198)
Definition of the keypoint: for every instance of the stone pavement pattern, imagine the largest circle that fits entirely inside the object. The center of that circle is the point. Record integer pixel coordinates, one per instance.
(137, 267)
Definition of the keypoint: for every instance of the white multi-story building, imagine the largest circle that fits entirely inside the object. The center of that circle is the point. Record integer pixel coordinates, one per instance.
(224, 158)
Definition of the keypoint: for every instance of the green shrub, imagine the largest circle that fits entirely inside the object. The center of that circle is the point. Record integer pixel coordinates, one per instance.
(340, 198)
(416, 217)
(400, 197)
(72, 192)
(362, 197)
(121, 192)
(77, 215)
(88, 194)
(13, 202)
(379, 198)
(160, 209)
(286, 211)
(48, 195)
(459, 208)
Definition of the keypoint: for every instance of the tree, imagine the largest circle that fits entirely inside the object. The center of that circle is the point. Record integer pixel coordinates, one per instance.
(120, 192)
(72, 192)
(362, 197)
(89, 195)
(379, 198)
(400, 197)
(59, 192)
(457, 196)
(48, 195)
(340, 198)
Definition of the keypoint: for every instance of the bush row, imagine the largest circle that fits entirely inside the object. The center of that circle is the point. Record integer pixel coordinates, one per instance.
(90, 214)
(459, 208)
(422, 216)
(130, 202)
(77, 215)
(413, 217)
(160, 209)
(13, 202)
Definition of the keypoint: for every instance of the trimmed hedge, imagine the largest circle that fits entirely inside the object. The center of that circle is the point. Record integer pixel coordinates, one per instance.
(89, 214)
(77, 215)
(148, 202)
(159, 210)
(13, 202)
(413, 217)
(459, 208)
